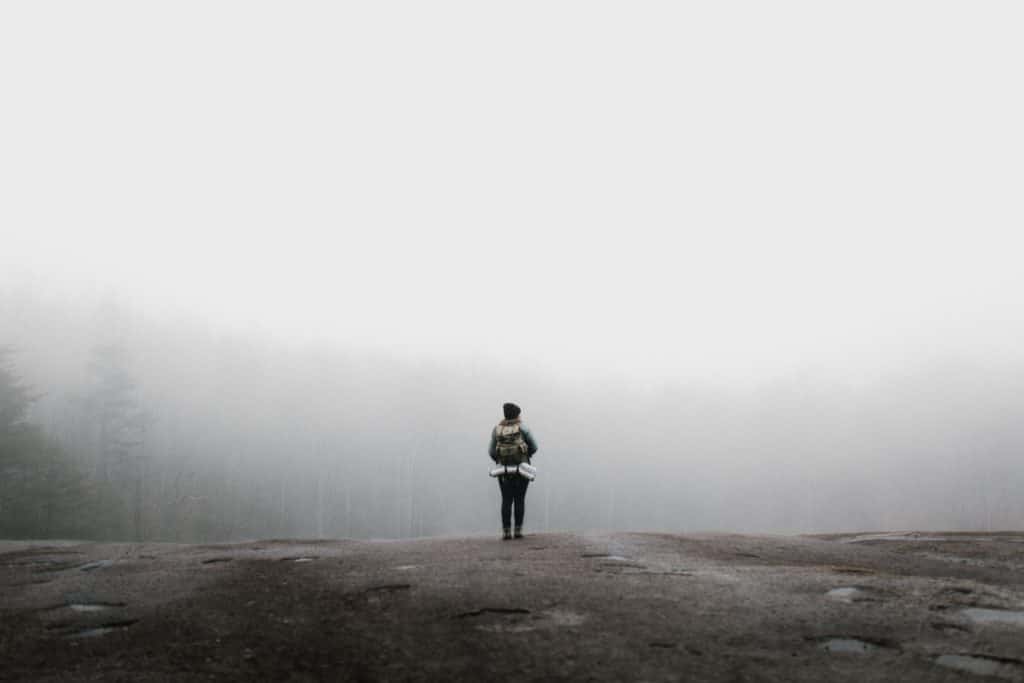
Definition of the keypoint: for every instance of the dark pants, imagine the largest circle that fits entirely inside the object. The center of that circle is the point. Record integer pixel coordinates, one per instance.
(513, 490)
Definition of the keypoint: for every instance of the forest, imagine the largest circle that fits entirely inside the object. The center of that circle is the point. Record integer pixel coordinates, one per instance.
(118, 425)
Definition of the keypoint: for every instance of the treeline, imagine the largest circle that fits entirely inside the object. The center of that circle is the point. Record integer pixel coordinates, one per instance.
(99, 484)
(116, 426)
(106, 458)
(43, 491)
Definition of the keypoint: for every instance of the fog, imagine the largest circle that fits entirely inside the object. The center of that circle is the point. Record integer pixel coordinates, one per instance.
(271, 271)
(204, 435)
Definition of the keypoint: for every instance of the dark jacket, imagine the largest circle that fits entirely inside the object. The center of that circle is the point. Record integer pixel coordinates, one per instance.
(531, 443)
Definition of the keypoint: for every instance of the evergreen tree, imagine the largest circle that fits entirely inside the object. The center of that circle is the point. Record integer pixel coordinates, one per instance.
(14, 396)
(121, 426)
(42, 494)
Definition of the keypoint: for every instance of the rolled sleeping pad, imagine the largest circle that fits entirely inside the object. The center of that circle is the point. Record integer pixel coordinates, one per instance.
(528, 472)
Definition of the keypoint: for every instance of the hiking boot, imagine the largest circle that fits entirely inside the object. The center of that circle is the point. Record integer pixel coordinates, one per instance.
(506, 534)
(519, 532)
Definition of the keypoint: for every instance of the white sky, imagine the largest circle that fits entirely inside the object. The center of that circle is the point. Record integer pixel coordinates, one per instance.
(718, 187)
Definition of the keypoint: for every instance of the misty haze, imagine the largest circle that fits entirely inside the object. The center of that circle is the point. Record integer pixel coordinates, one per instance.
(271, 277)
(177, 432)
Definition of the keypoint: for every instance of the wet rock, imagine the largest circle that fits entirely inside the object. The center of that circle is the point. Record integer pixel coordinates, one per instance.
(492, 610)
(103, 629)
(854, 594)
(983, 665)
(93, 566)
(93, 606)
(994, 616)
(949, 628)
(844, 594)
(849, 569)
(389, 588)
(851, 645)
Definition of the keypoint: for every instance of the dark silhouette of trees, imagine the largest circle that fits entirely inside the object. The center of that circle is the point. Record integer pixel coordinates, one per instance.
(120, 425)
(42, 493)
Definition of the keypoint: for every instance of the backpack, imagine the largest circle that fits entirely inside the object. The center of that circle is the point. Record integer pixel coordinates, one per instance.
(510, 444)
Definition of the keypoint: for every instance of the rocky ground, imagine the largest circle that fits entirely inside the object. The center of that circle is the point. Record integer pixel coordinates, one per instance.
(880, 607)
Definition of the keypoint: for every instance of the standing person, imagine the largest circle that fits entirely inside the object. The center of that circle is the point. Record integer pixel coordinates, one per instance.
(512, 444)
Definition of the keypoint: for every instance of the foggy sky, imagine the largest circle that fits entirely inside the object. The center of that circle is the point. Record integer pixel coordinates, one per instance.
(707, 191)
(746, 266)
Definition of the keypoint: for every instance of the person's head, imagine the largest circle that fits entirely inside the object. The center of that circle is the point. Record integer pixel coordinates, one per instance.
(511, 411)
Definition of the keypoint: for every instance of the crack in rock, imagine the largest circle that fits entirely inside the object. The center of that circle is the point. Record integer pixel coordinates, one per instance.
(492, 610)
(389, 588)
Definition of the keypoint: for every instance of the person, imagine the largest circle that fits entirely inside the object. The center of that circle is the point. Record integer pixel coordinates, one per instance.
(512, 444)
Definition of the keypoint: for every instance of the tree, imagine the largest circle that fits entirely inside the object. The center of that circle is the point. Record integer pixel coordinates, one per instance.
(15, 397)
(41, 492)
(121, 426)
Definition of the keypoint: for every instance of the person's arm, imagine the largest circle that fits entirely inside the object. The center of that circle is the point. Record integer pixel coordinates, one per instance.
(531, 443)
(492, 450)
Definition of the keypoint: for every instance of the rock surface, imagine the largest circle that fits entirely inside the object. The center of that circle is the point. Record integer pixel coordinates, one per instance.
(611, 607)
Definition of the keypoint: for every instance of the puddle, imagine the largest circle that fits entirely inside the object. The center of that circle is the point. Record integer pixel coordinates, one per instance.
(98, 564)
(302, 559)
(853, 594)
(406, 567)
(520, 620)
(845, 594)
(981, 665)
(93, 606)
(604, 556)
(562, 617)
(918, 538)
(103, 629)
(92, 632)
(994, 616)
(850, 646)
